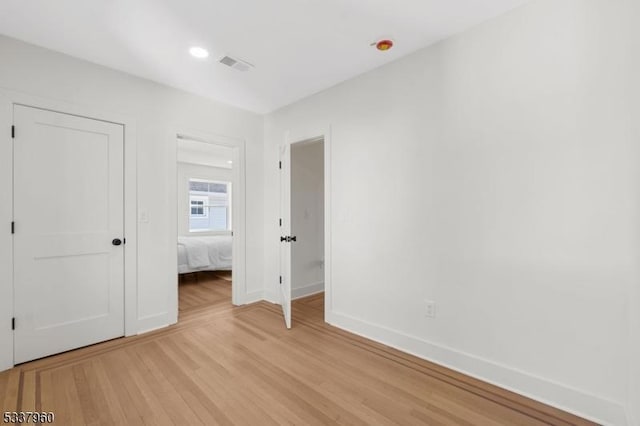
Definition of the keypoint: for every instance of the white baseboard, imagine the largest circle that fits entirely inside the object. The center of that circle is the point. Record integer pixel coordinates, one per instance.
(583, 404)
(271, 297)
(153, 322)
(296, 293)
(6, 365)
(307, 290)
(254, 296)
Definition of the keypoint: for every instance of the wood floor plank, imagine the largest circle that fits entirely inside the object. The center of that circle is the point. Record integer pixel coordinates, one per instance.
(28, 402)
(46, 398)
(11, 390)
(225, 365)
(162, 379)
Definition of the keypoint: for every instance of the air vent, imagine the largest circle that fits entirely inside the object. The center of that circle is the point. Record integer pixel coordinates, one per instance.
(237, 64)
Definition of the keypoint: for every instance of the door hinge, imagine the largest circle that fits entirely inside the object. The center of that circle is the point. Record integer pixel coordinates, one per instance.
(13, 323)
(280, 279)
(280, 222)
(124, 241)
(13, 132)
(280, 164)
(13, 227)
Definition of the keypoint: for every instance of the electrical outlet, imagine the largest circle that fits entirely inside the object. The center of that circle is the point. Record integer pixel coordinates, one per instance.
(430, 309)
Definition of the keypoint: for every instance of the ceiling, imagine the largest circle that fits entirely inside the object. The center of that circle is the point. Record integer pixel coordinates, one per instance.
(298, 47)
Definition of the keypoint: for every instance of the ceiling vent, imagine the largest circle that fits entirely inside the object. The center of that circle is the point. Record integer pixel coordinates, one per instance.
(236, 64)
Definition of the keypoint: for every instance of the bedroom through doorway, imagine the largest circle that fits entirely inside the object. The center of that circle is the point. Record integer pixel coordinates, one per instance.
(205, 190)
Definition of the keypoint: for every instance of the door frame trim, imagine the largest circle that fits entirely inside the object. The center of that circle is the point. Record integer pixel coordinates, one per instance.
(8, 99)
(239, 294)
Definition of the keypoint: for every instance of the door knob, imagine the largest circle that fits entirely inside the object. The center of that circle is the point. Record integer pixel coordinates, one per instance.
(116, 241)
(287, 239)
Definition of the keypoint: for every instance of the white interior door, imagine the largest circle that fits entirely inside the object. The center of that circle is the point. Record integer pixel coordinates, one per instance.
(68, 213)
(285, 232)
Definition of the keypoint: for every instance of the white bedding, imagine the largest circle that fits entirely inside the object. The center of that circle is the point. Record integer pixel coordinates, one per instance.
(206, 253)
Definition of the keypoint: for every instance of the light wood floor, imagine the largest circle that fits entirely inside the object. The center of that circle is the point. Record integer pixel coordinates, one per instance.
(204, 289)
(226, 365)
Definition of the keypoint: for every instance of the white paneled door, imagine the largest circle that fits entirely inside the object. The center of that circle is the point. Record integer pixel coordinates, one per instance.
(285, 232)
(68, 236)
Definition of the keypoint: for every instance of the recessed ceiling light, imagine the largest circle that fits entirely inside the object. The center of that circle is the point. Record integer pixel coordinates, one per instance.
(230, 162)
(199, 52)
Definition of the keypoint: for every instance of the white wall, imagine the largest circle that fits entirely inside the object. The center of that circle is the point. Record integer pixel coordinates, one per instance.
(514, 201)
(158, 111)
(204, 153)
(633, 401)
(188, 171)
(307, 218)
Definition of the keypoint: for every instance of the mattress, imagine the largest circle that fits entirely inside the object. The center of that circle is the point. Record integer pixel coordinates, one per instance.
(204, 253)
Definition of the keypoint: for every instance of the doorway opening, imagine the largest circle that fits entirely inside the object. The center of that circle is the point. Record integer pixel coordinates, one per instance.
(206, 183)
(303, 248)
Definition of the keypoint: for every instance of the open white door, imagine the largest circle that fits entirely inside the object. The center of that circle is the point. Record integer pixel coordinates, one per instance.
(69, 224)
(285, 232)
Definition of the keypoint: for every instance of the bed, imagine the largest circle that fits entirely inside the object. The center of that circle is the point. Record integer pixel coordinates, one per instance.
(205, 253)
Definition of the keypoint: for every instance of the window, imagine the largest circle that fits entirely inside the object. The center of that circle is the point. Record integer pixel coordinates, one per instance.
(209, 206)
(198, 205)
